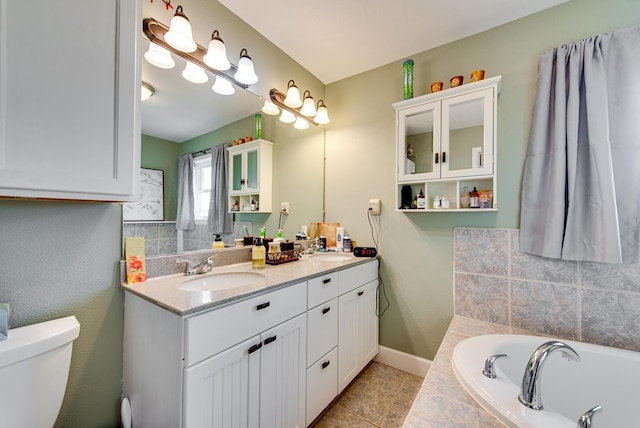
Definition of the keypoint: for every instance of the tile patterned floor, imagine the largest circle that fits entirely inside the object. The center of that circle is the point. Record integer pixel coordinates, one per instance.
(381, 396)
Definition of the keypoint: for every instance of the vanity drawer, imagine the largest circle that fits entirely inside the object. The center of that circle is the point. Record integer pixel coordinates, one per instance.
(323, 288)
(214, 331)
(322, 384)
(322, 330)
(357, 276)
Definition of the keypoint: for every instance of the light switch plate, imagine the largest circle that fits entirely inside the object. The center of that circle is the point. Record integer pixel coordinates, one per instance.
(375, 206)
(284, 207)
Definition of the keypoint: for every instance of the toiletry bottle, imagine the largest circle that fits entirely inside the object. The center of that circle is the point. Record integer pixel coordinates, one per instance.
(474, 199)
(252, 207)
(421, 201)
(323, 243)
(258, 257)
(217, 243)
(279, 237)
(339, 237)
(346, 246)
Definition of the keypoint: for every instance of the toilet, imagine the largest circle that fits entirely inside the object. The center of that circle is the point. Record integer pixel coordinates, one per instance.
(34, 367)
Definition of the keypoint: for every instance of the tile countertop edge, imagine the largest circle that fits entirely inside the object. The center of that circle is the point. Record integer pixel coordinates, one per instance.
(442, 401)
(162, 291)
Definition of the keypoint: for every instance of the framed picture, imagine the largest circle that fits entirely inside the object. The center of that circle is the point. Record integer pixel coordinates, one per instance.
(150, 207)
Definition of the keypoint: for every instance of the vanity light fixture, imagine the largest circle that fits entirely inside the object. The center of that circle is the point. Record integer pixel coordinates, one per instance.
(278, 100)
(194, 73)
(216, 56)
(223, 87)
(308, 105)
(179, 35)
(146, 91)
(156, 32)
(159, 56)
(293, 95)
(270, 108)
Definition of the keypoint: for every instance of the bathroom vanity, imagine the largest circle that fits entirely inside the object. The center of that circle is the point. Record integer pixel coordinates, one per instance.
(272, 353)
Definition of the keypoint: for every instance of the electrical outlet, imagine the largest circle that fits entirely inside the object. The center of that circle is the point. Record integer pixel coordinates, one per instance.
(375, 206)
(284, 207)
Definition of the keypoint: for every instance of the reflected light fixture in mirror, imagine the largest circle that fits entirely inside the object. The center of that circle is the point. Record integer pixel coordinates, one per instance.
(159, 56)
(270, 108)
(308, 105)
(289, 114)
(301, 123)
(223, 87)
(146, 91)
(216, 56)
(194, 73)
(293, 95)
(287, 117)
(246, 73)
(179, 35)
(322, 116)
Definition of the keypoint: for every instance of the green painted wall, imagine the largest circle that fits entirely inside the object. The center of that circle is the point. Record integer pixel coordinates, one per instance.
(163, 154)
(417, 249)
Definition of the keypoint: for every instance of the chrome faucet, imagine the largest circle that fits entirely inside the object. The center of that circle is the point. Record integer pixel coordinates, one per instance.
(203, 267)
(586, 420)
(530, 388)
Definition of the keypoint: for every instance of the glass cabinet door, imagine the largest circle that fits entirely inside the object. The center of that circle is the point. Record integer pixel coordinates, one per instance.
(419, 133)
(467, 134)
(252, 169)
(237, 179)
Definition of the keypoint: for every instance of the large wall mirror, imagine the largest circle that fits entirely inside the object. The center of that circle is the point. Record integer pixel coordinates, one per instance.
(183, 117)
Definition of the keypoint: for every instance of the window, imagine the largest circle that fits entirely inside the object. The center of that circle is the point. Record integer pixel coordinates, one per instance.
(202, 187)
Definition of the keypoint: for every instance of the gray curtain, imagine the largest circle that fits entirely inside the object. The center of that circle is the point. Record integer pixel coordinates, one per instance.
(581, 185)
(220, 221)
(185, 216)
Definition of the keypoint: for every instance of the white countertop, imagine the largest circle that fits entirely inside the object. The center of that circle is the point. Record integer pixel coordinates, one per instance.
(163, 291)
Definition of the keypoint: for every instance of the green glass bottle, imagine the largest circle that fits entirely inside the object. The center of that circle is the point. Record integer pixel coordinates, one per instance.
(408, 78)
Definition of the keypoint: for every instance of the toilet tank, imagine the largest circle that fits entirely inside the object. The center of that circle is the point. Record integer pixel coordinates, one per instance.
(34, 367)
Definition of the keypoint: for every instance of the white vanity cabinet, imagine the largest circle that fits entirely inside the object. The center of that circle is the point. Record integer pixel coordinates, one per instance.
(70, 91)
(250, 176)
(239, 365)
(446, 141)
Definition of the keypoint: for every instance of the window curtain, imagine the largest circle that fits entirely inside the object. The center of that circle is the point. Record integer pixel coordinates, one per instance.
(220, 221)
(185, 216)
(581, 185)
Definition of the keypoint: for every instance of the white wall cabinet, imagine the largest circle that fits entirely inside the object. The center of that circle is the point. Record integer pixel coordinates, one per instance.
(69, 116)
(446, 141)
(250, 176)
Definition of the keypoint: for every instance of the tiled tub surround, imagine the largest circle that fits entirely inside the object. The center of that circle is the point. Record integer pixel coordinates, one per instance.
(499, 290)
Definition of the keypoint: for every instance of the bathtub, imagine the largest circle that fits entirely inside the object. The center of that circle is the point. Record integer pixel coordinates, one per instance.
(605, 376)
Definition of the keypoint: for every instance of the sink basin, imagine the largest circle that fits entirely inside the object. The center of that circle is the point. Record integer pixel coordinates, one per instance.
(221, 281)
(330, 257)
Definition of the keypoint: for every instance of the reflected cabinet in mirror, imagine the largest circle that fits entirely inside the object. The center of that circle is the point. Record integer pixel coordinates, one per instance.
(445, 148)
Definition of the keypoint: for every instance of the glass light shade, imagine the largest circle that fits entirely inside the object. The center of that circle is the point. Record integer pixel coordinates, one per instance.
(159, 56)
(301, 123)
(293, 96)
(245, 73)
(194, 73)
(287, 117)
(146, 91)
(308, 106)
(322, 118)
(216, 56)
(270, 108)
(179, 35)
(222, 86)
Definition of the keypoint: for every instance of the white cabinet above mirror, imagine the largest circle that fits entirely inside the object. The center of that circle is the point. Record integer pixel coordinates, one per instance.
(446, 146)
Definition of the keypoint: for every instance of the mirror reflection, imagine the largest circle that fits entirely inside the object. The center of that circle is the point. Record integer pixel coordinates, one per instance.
(419, 140)
(466, 134)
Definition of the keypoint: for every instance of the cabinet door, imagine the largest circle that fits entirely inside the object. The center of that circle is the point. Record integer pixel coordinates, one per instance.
(468, 134)
(223, 391)
(419, 142)
(253, 169)
(357, 332)
(237, 178)
(69, 115)
(282, 375)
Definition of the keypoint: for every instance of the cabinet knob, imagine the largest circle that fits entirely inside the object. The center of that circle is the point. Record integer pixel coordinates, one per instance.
(326, 364)
(325, 310)
(326, 281)
(444, 157)
(271, 339)
(436, 157)
(263, 306)
(254, 348)
(360, 293)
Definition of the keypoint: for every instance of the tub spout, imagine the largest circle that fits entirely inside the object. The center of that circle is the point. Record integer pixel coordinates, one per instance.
(586, 420)
(530, 389)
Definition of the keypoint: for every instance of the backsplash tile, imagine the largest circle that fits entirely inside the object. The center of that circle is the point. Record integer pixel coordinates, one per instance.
(592, 302)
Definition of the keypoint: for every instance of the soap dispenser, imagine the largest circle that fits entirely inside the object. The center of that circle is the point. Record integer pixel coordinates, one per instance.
(279, 237)
(217, 243)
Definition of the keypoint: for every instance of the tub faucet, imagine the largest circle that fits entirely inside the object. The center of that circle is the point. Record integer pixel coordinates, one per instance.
(530, 389)
(586, 420)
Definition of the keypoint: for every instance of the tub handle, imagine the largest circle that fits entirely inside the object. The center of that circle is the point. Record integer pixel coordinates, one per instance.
(585, 420)
(490, 365)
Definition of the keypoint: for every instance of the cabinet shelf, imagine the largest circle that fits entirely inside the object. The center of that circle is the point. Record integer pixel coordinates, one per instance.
(446, 146)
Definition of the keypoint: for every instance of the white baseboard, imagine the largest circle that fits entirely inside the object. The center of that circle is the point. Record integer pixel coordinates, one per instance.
(403, 361)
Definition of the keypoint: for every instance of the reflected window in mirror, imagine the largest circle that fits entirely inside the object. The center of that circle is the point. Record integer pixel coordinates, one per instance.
(202, 187)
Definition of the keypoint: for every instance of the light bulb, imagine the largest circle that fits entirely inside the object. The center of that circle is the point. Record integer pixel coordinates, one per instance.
(301, 123)
(287, 117)
(270, 108)
(308, 106)
(293, 95)
(194, 73)
(222, 86)
(146, 91)
(322, 118)
(245, 73)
